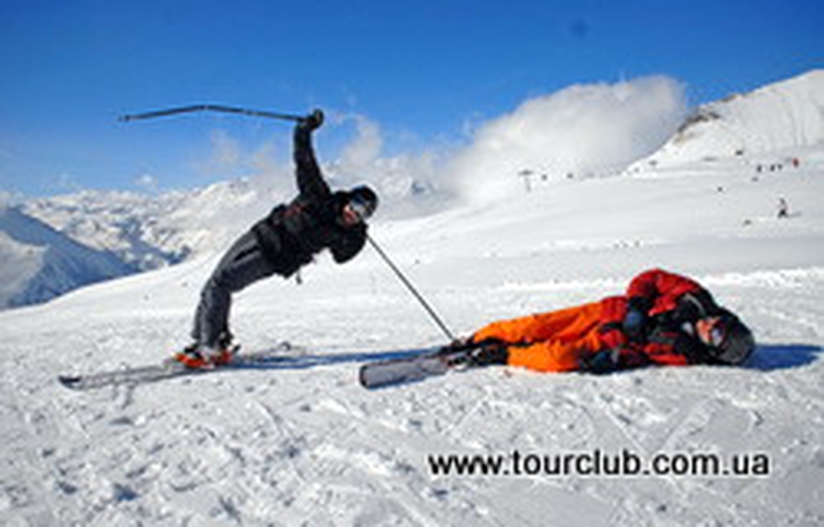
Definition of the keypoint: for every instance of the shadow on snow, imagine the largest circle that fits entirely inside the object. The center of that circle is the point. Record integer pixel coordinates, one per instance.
(767, 357)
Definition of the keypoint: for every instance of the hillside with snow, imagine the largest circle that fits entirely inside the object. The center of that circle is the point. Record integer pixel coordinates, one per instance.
(755, 126)
(39, 263)
(301, 443)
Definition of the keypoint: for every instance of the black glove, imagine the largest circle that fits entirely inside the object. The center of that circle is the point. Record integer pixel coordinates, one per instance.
(489, 351)
(636, 320)
(606, 361)
(313, 121)
(459, 344)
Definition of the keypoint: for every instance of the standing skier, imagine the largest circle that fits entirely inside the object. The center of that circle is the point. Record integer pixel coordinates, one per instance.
(663, 319)
(281, 243)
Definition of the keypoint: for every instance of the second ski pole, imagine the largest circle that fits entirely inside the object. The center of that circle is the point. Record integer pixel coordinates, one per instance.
(411, 289)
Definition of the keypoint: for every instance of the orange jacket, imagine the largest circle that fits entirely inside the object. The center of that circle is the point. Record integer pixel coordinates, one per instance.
(567, 339)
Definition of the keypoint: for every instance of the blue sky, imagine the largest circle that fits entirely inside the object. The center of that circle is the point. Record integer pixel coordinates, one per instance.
(424, 71)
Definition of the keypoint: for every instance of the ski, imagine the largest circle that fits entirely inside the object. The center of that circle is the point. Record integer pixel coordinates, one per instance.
(170, 368)
(415, 368)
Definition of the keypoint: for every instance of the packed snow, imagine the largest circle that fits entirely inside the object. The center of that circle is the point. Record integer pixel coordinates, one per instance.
(301, 443)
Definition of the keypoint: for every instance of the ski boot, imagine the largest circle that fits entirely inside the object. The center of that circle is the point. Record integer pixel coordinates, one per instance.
(198, 357)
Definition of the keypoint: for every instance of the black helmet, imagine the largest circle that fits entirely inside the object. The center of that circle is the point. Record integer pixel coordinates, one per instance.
(363, 201)
(735, 340)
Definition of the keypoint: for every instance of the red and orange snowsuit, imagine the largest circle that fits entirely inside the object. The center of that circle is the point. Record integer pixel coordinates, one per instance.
(565, 340)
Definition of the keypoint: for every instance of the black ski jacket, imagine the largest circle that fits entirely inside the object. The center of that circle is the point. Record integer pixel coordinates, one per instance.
(292, 234)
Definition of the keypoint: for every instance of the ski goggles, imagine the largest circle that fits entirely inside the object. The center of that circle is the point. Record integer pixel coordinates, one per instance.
(361, 207)
(717, 333)
(711, 332)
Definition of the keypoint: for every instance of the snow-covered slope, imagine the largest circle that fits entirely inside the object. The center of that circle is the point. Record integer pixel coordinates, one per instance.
(303, 444)
(40, 263)
(755, 125)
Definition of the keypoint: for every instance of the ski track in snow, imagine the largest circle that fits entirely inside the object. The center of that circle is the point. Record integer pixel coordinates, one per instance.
(290, 445)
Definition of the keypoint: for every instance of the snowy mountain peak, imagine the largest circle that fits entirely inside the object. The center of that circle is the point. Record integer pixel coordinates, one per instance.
(40, 263)
(148, 232)
(783, 115)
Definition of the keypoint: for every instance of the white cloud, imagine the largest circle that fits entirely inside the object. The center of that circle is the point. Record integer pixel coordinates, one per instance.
(264, 164)
(365, 148)
(147, 182)
(226, 152)
(66, 182)
(399, 179)
(583, 129)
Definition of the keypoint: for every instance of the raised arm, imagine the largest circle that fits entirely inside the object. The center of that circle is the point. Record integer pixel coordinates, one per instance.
(307, 171)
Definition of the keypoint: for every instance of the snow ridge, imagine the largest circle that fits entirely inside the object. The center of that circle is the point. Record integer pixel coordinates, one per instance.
(41, 263)
(773, 118)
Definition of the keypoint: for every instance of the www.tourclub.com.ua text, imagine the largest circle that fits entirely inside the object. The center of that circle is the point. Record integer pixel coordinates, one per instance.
(599, 463)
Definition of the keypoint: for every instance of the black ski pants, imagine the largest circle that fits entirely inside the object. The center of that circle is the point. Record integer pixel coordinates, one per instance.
(243, 265)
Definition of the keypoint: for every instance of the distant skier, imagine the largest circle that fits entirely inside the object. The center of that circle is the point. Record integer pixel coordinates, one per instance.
(281, 243)
(664, 319)
(783, 208)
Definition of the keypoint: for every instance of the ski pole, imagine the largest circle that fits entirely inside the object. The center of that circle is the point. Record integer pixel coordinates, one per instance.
(412, 289)
(210, 108)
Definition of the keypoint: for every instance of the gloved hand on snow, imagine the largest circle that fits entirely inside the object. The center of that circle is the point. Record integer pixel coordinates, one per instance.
(489, 351)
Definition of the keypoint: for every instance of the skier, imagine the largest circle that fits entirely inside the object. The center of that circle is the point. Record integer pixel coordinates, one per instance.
(663, 319)
(280, 243)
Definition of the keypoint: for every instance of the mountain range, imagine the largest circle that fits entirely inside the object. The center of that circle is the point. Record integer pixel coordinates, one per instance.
(52, 245)
(40, 263)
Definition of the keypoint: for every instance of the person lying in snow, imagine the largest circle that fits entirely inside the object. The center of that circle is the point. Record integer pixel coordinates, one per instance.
(663, 319)
(281, 243)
